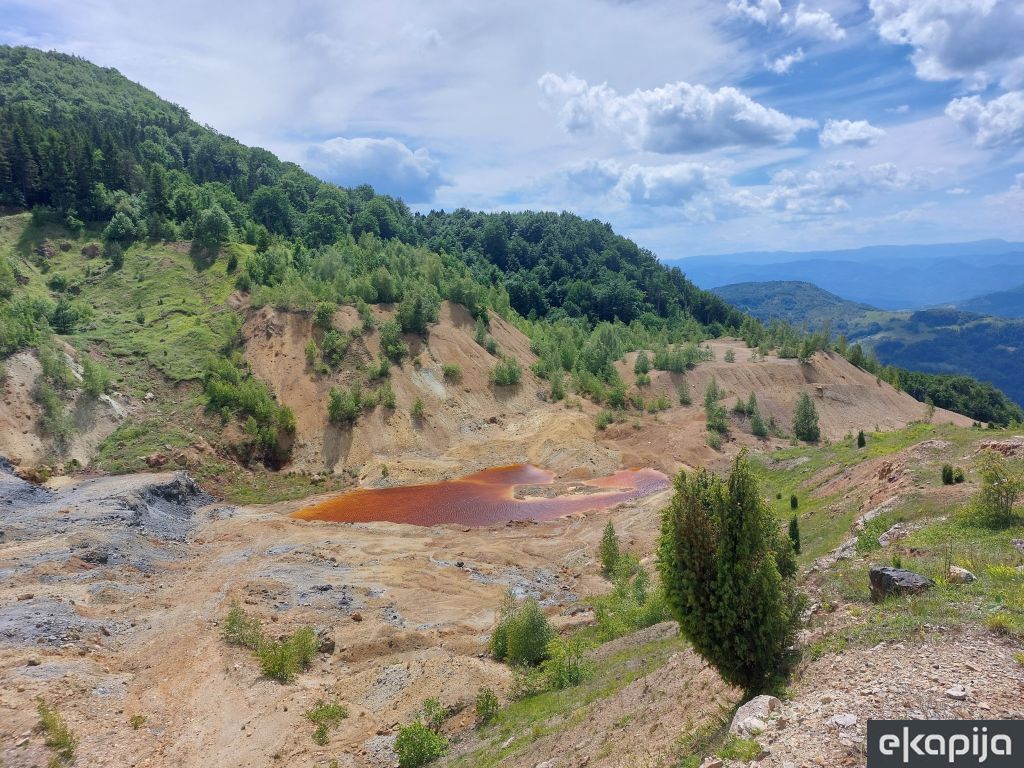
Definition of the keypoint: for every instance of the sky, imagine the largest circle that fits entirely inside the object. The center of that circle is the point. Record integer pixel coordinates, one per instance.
(693, 126)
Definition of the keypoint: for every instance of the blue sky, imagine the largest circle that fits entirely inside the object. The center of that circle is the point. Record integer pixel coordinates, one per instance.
(694, 127)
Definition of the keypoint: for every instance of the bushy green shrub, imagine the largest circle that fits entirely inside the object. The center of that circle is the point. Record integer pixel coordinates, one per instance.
(230, 389)
(451, 372)
(344, 405)
(1001, 486)
(417, 745)
(96, 378)
(564, 666)
(506, 373)
(391, 343)
(240, 629)
(522, 633)
(604, 419)
(947, 474)
(719, 560)
(486, 706)
(283, 660)
(326, 715)
(418, 410)
(433, 714)
(323, 315)
(633, 603)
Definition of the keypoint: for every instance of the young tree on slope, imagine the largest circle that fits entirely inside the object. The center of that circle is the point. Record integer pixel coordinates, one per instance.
(727, 572)
(805, 420)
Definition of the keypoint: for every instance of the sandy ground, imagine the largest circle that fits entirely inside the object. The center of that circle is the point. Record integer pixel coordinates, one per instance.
(109, 617)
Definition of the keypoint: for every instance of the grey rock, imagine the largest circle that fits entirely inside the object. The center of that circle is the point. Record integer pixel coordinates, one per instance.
(957, 692)
(959, 575)
(754, 714)
(886, 581)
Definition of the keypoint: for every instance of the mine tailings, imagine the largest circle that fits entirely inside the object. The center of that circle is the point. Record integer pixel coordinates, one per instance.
(495, 495)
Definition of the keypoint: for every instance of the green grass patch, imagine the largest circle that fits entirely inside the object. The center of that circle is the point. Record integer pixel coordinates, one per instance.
(57, 735)
(526, 720)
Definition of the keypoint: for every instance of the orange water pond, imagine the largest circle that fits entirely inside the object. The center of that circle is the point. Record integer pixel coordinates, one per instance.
(495, 495)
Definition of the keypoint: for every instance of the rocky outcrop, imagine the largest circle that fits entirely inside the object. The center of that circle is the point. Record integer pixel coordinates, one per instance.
(958, 575)
(886, 582)
(752, 718)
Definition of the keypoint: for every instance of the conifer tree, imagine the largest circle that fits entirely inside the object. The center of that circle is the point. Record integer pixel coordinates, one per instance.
(805, 420)
(609, 550)
(719, 556)
(861, 441)
(794, 533)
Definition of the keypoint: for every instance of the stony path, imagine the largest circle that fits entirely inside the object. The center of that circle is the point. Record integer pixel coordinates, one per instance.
(953, 676)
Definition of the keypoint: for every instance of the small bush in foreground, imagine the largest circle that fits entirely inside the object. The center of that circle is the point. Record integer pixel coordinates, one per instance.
(486, 706)
(240, 629)
(523, 632)
(58, 736)
(506, 373)
(417, 745)
(283, 660)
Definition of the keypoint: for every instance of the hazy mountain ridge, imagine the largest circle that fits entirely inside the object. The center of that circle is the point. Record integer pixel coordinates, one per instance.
(894, 281)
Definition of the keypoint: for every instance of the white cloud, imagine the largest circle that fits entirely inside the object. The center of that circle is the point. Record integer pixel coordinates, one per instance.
(1013, 198)
(677, 117)
(995, 123)
(828, 190)
(902, 109)
(387, 164)
(859, 133)
(783, 64)
(958, 191)
(972, 40)
(761, 11)
(817, 23)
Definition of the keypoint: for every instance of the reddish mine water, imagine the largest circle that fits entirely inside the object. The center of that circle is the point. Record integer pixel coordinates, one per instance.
(486, 498)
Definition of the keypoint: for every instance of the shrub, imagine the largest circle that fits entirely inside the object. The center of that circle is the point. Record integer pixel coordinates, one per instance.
(311, 352)
(344, 406)
(1000, 486)
(609, 549)
(714, 413)
(522, 633)
(136, 721)
(642, 365)
(506, 373)
(794, 502)
(433, 714)
(605, 419)
(418, 410)
(564, 667)
(95, 377)
(115, 254)
(643, 380)
(333, 347)
(684, 394)
(386, 395)
(486, 706)
(557, 387)
(240, 629)
(283, 660)
(492, 346)
(757, 426)
(947, 474)
(632, 604)
(861, 440)
(419, 308)
(805, 420)
(325, 715)
(451, 372)
(730, 356)
(794, 533)
(417, 745)
(714, 440)
(323, 315)
(958, 475)
(391, 342)
(719, 557)
(57, 735)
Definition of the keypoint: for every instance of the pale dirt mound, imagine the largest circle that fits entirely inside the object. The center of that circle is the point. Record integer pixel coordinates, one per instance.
(469, 424)
(847, 400)
(21, 436)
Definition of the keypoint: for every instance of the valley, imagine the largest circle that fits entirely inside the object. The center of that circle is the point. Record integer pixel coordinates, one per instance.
(292, 474)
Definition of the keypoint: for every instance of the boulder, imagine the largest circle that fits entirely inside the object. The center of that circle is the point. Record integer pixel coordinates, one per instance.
(895, 533)
(957, 693)
(753, 716)
(887, 581)
(1018, 545)
(959, 575)
(325, 641)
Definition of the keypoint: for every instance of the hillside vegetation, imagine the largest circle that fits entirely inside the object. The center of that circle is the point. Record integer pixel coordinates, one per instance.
(958, 347)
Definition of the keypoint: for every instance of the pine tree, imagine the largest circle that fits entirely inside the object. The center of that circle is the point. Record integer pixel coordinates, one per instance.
(609, 549)
(642, 364)
(861, 441)
(719, 556)
(794, 533)
(805, 420)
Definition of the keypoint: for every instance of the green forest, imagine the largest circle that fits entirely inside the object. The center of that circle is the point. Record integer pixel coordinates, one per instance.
(84, 148)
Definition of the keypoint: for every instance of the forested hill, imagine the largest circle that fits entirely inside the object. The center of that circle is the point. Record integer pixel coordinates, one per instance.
(103, 151)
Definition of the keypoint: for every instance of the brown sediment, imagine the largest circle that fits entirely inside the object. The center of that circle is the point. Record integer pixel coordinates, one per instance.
(495, 495)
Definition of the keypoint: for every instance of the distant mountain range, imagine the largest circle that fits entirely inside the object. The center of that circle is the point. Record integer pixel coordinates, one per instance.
(999, 304)
(936, 340)
(889, 277)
